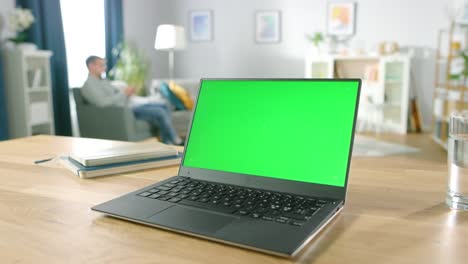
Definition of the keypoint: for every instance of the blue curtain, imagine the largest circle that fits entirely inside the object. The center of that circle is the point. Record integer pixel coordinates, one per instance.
(114, 28)
(3, 113)
(47, 33)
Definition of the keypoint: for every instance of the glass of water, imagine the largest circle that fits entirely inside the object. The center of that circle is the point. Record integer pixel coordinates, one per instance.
(457, 193)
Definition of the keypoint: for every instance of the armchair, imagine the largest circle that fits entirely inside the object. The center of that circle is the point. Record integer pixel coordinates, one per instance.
(115, 123)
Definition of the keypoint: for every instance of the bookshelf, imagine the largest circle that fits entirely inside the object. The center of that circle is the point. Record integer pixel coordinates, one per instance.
(450, 81)
(28, 92)
(384, 102)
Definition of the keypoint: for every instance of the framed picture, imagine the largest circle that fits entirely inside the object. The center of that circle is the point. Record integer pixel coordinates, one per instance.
(267, 26)
(201, 25)
(341, 19)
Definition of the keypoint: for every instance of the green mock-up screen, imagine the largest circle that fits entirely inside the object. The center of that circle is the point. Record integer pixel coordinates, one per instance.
(297, 130)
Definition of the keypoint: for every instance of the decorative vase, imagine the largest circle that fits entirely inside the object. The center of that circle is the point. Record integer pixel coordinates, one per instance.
(26, 46)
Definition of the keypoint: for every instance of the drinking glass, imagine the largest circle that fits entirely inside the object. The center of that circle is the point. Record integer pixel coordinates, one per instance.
(457, 193)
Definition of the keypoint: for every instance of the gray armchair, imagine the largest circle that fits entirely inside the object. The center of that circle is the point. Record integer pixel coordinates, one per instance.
(115, 123)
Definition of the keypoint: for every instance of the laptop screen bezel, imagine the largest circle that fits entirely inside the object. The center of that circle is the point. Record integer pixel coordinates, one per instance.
(268, 183)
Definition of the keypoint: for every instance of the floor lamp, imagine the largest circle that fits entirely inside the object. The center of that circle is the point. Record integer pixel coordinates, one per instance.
(170, 38)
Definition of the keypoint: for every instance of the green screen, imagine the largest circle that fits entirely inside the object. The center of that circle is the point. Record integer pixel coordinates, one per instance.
(297, 130)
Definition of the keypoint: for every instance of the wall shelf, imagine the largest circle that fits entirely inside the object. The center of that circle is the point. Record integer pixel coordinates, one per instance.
(28, 92)
(387, 85)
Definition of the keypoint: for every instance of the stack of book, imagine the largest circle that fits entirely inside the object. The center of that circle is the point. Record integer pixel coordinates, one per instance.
(122, 159)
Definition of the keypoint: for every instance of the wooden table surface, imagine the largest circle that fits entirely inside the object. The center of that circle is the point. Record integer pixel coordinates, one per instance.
(395, 213)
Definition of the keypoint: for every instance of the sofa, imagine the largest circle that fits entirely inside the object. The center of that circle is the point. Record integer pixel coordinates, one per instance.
(119, 123)
(180, 118)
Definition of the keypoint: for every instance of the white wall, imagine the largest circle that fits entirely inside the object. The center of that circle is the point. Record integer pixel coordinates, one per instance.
(5, 7)
(234, 53)
(141, 18)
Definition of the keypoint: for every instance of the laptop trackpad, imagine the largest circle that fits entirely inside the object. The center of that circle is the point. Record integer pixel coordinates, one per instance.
(191, 219)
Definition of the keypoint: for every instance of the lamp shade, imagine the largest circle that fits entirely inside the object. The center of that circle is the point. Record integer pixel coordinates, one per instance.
(170, 37)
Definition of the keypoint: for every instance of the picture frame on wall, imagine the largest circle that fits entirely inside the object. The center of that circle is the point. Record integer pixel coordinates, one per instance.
(201, 25)
(341, 18)
(268, 26)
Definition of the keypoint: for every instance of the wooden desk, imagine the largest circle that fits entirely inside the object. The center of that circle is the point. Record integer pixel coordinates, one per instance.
(394, 214)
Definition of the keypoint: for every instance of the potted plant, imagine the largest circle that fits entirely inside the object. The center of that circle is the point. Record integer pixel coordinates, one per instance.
(131, 67)
(316, 39)
(19, 20)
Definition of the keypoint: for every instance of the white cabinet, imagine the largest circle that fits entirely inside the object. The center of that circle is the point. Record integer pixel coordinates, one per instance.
(385, 86)
(28, 92)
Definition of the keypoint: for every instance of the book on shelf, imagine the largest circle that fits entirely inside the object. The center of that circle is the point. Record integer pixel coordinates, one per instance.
(115, 168)
(124, 153)
(34, 78)
(415, 119)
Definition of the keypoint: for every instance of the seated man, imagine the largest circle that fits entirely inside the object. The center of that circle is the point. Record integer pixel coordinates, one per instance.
(100, 92)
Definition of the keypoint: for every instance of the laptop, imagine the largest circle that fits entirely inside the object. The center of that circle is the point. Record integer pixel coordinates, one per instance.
(265, 166)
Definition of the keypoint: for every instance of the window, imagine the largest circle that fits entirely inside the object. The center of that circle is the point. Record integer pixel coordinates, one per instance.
(84, 30)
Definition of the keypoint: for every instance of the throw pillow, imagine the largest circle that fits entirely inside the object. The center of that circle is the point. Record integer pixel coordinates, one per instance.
(182, 94)
(166, 91)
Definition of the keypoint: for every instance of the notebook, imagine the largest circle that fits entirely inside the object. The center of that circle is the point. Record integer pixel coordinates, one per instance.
(115, 168)
(265, 168)
(124, 153)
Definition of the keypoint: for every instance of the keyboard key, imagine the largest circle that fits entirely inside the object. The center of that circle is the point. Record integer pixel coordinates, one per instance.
(144, 194)
(256, 215)
(154, 196)
(297, 223)
(250, 208)
(268, 218)
(207, 206)
(274, 213)
(163, 188)
(163, 192)
(174, 200)
(172, 194)
(237, 206)
(282, 221)
(295, 216)
(242, 212)
(311, 211)
(300, 211)
(164, 198)
(153, 191)
(275, 207)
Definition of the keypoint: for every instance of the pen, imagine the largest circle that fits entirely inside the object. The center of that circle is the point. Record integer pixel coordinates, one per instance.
(42, 161)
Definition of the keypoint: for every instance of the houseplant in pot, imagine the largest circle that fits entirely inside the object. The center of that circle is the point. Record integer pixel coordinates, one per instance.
(19, 20)
(131, 67)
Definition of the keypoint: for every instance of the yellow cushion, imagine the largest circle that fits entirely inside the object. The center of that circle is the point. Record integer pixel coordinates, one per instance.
(183, 95)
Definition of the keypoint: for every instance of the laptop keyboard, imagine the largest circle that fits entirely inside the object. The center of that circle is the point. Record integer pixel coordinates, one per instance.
(266, 205)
